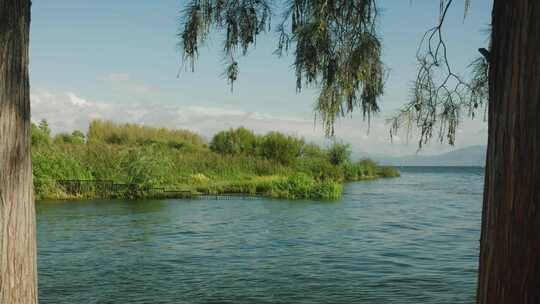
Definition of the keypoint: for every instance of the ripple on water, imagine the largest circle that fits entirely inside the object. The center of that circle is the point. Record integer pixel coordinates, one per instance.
(407, 240)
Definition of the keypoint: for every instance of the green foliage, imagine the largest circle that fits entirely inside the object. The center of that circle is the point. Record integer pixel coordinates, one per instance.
(336, 46)
(44, 127)
(297, 185)
(132, 134)
(104, 161)
(440, 97)
(388, 172)
(339, 153)
(303, 186)
(320, 168)
(50, 165)
(234, 141)
(329, 190)
(353, 171)
(311, 150)
(147, 167)
(368, 167)
(337, 50)
(77, 137)
(243, 21)
(274, 165)
(40, 137)
(280, 147)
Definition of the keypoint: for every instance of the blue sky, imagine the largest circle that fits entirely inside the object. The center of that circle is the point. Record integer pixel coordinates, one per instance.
(119, 60)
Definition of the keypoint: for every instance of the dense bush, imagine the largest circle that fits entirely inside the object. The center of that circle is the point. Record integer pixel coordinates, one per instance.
(352, 171)
(147, 168)
(312, 150)
(234, 141)
(368, 167)
(320, 168)
(387, 171)
(280, 147)
(50, 165)
(274, 165)
(77, 137)
(112, 133)
(40, 137)
(339, 153)
(303, 186)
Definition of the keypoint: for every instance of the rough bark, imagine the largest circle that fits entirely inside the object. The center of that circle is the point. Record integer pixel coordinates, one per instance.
(510, 242)
(18, 271)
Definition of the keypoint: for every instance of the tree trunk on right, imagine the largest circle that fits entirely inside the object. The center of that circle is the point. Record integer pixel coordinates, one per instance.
(510, 242)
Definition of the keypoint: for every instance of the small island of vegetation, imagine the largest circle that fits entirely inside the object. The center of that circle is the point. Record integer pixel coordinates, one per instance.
(139, 161)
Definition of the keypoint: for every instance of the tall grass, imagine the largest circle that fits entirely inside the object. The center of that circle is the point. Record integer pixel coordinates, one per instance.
(181, 160)
(128, 134)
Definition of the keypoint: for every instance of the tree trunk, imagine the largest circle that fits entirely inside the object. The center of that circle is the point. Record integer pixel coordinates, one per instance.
(510, 242)
(18, 271)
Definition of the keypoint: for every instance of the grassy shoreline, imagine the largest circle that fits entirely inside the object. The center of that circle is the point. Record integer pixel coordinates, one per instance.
(279, 188)
(156, 163)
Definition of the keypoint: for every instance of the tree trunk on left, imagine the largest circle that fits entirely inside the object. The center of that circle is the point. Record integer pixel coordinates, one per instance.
(18, 271)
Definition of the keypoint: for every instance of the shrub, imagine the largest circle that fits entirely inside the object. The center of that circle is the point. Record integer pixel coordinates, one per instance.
(275, 165)
(40, 137)
(104, 161)
(368, 167)
(77, 137)
(352, 172)
(234, 141)
(199, 178)
(312, 151)
(320, 168)
(112, 133)
(387, 172)
(282, 148)
(302, 186)
(329, 190)
(147, 168)
(78, 134)
(44, 127)
(50, 165)
(339, 153)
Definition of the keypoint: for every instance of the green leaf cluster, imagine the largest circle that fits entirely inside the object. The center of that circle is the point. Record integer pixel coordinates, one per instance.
(236, 161)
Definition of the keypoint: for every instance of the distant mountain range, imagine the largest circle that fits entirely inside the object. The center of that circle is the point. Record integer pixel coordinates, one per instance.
(469, 156)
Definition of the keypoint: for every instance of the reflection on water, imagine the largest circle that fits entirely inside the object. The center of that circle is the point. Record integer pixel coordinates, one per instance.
(407, 240)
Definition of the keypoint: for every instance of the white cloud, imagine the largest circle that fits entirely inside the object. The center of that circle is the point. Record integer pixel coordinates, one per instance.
(75, 100)
(69, 111)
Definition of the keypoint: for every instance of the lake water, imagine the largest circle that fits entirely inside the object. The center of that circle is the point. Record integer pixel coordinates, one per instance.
(412, 239)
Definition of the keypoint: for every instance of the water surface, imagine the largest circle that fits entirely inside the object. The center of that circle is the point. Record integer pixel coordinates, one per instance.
(408, 240)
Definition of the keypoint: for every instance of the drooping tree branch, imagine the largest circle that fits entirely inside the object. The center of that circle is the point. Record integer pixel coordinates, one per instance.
(336, 46)
(337, 50)
(242, 20)
(440, 96)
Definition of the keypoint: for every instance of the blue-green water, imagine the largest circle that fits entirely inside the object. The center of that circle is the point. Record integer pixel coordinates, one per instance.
(408, 240)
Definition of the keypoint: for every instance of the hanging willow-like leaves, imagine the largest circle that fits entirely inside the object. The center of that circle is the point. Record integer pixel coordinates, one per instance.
(439, 96)
(336, 47)
(242, 21)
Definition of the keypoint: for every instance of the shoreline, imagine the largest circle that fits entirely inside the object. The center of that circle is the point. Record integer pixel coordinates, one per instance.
(133, 161)
(214, 190)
